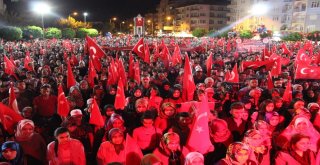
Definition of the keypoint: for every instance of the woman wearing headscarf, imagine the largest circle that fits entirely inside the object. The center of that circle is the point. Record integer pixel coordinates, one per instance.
(170, 151)
(112, 150)
(166, 116)
(12, 153)
(297, 152)
(221, 138)
(32, 143)
(259, 145)
(237, 154)
(65, 150)
(299, 124)
(194, 158)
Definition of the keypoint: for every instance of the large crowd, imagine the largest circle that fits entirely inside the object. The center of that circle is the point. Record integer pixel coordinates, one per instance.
(250, 122)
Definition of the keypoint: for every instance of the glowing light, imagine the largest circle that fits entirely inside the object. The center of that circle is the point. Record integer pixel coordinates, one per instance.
(41, 8)
(259, 9)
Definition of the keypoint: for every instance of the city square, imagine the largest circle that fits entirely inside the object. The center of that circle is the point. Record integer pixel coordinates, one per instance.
(159, 82)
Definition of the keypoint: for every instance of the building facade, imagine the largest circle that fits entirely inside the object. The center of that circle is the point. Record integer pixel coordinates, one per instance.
(2, 7)
(293, 15)
(186, 15)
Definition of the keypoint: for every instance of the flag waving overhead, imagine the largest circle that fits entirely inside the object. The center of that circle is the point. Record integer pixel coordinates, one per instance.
(9, 118)
(146, 54)
(139, 48)
(305, 71)
(120, 100)
(176, 57)
(63, 104)
(95, 52)
(12, 99)
(9, 66)
(188, 86)
(71, 81)
(209, 65)
(199, 139)
(234, 75)
(95, 116)
(92, 74)
(28, 62)
(287, 95)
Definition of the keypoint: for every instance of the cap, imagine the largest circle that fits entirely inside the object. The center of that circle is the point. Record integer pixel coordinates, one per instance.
(76, 112)
(198, 69)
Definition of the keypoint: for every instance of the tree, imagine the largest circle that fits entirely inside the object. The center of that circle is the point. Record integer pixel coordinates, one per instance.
(246, 34)
(52, 33)
(199, 32)
(10, 33)
(30, 32)
(68, 33)
(70, 22)
(314, 36)
(296, 36)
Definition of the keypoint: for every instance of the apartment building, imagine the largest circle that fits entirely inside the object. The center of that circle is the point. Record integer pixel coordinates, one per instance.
(294, 15)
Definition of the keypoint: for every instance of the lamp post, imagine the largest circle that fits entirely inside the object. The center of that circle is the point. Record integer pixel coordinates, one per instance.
(149, 21)
(120, 24)
(42, 8)
(173, 23)
(85, 14)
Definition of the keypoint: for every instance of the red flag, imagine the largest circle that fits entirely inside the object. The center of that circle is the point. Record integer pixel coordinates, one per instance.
(266, 54)
(302, 57)
(165, 55)
(95, 52)
(228, 47)
(63, 104)
(139, 48)
(305, 71)
(27, 61)
(209, 65)
(9, 118)
(131, 66)
(120, 100)
(113, 73)
(129, 40)
(276, 69)
(287, 95)
(234, 75)
(269, 81)
(176, 57)
(92, 74)
(132, 151)
(13, 104)
(8, 66)
(188, 86)
(146, 54)
(285, 49)
(71, 81)
(95, 116)
(122, 72)
(137, 72)
(199, 139)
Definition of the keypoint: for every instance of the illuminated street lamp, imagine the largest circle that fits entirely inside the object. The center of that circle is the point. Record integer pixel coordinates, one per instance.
(42, 8)
(149, 21)
(113, 19)
(257, 11)
(120, 24)
(85, 14)
(74, 13)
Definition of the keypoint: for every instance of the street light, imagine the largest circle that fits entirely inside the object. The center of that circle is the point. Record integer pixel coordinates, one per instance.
(113, 19)
(258, 10)
(85, 14)
(42, 8)
(149, 21)
(74, 13)
(120, 24)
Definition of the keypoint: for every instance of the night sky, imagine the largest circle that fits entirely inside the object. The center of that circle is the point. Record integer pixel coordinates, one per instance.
(101, 10)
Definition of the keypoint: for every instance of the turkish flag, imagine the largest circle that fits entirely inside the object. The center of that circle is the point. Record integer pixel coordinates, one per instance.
(137, 72)
(188, 86)
(9, 118)
(287, 95)
(302, 57)
(13, 100)
(199, 139)
(131, 66)
(139, 48)
(95, 115)
(165, 55)
(91, 74)
(209, 65)
(276, 69)
(234, 75)
(269, 81)
(266, 54)
(146, 54)
(305, 71)
(285, 49)
(8, 66)
(176, 57)
(120, 100)
(71, 81)
(27, 61)
(132, 151)
(122, 72)
(255, 64)
(63, 104)
(95, 52)
(228, 47)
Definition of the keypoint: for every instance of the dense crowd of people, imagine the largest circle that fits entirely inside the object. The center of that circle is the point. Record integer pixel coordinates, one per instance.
(249, 122)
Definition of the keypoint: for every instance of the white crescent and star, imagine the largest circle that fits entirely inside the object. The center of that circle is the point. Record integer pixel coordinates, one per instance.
(93, 50)
(301, 57)
(252, 65)
(232, 76)
(303, 71)
(139, 48)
